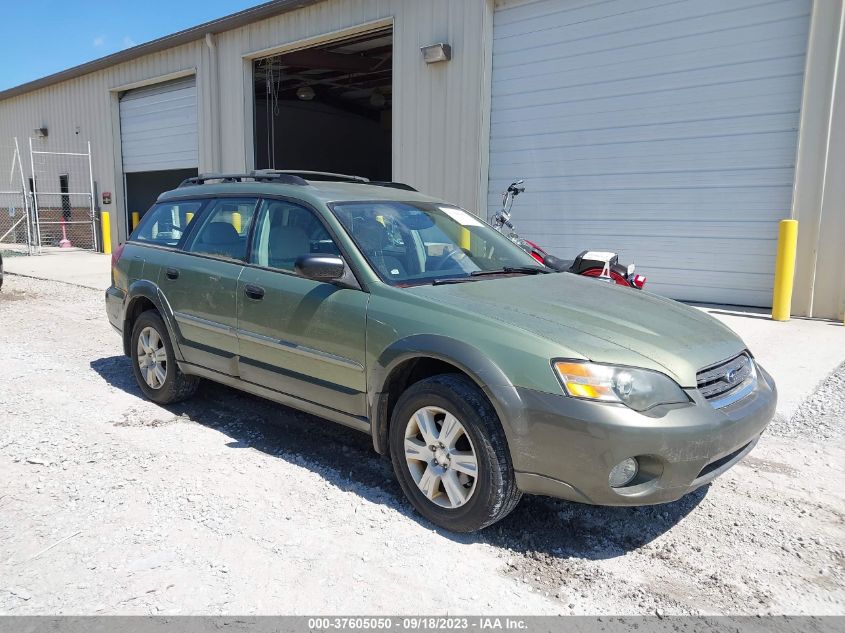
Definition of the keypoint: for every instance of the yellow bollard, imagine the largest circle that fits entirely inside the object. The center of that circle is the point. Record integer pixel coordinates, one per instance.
(236, 221)
(105, 227)
(188, 218)
(784, 270)
(466, 238)
(136, 217)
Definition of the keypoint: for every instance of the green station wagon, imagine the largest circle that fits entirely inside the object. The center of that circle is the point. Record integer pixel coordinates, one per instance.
(480, 373)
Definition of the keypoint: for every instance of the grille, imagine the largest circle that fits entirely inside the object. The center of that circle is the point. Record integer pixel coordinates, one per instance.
(729, 381)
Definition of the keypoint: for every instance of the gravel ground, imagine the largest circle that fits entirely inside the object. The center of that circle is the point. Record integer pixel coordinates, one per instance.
(229, 504)
(820, 417)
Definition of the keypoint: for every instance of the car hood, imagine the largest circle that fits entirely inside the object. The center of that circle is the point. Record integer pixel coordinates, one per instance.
(600, 321)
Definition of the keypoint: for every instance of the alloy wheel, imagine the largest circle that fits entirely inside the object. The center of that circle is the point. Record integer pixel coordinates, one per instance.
(440, 457)
(152, 357)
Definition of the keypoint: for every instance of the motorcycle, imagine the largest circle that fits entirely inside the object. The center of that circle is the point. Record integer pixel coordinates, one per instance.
(599, 264)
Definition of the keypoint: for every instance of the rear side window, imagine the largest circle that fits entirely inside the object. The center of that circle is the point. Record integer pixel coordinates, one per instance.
(166, 223)
(225, 228)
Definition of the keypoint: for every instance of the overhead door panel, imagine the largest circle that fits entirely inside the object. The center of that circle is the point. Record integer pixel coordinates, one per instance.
(158, 127)
(662, 129)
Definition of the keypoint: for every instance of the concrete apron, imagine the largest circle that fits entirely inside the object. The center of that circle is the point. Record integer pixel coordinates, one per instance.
(76, 267)
(799, 353)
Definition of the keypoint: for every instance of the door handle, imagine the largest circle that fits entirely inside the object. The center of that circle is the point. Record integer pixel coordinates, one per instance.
(254, 292)
(172, 273)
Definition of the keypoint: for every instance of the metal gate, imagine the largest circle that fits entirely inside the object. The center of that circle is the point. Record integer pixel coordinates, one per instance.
(15, 209)
(62, 190)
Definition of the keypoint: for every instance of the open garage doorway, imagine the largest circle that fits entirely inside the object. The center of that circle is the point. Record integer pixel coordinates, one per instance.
(142, 188)
(327, 108)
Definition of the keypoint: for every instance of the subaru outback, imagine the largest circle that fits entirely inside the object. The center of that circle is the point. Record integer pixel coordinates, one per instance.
(482, 374)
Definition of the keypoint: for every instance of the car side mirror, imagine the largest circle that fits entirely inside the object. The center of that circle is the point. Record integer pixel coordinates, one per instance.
(320, 267)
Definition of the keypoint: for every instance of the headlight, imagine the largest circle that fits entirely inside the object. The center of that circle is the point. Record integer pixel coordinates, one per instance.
(639, 389)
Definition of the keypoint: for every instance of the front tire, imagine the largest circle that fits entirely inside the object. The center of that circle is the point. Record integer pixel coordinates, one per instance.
(450, 455)
(154, 363)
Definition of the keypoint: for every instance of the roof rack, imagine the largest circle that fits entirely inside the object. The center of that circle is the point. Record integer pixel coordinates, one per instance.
(290, 177)
(314, 175)
(329, 176)
(255, 176)
(326, 176)
(392, 185)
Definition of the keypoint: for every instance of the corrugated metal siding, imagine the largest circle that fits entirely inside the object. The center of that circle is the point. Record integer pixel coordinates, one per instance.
(80, 110)
(436, 116)
(158, 126)
(663, 130)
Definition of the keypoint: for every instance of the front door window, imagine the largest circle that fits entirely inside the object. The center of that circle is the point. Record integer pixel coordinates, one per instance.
(286, 231)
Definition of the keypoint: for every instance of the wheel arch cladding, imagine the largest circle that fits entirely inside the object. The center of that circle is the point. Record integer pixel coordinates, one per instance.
(141, 296)
(414, 358)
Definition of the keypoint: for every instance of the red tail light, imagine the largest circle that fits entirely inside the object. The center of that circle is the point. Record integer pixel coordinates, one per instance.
(638, 281)
(115, 258)
(538, 257)
(116, 253)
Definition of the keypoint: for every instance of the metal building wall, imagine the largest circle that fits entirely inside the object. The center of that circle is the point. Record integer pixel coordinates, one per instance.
(441, 113)
(438, 141)
(437, 122)
(684, 165)
(85, 108)
(819, 201)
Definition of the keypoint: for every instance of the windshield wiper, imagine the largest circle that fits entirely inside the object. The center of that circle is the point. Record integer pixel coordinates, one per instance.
(450, 280)
(506, 270)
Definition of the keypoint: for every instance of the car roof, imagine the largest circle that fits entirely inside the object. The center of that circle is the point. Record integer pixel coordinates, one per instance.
(315, 192)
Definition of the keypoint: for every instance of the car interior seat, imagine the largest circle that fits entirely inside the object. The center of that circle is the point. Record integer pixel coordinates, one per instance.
(372, 238)
(220, 238)
(285, 245)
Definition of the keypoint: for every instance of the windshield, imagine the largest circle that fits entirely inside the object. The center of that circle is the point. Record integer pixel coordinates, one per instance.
(411, 243)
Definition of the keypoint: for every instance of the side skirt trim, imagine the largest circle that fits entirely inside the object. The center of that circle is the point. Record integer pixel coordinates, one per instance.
(355, 422)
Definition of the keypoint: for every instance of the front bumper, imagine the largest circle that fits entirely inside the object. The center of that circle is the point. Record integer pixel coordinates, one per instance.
(564, 447)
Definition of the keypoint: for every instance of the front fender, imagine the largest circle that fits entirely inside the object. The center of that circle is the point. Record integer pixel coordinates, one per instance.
(470, 360)
(144, 289)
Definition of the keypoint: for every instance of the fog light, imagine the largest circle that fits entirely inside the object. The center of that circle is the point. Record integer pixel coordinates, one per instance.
(623, 473)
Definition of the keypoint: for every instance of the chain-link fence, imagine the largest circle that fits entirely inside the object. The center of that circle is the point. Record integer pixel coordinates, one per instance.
(15, 209)
(63, 198)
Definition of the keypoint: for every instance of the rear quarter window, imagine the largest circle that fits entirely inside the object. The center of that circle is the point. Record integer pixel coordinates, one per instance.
(166, 222)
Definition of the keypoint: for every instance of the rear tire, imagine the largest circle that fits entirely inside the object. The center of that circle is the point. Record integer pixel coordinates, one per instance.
(450, 414)
(154, 363)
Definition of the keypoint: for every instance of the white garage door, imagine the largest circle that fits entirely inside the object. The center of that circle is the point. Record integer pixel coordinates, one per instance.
(158, 127)
(665, 130)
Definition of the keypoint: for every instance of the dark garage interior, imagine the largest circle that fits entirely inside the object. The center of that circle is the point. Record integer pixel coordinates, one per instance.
(142, 188)
(327, 108)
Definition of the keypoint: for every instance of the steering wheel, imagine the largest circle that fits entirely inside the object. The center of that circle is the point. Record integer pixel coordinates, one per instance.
(453, 255)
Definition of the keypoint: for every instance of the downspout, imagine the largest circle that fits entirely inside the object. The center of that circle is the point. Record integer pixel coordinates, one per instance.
(214, 103)
(822, 200)
(486, 101)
